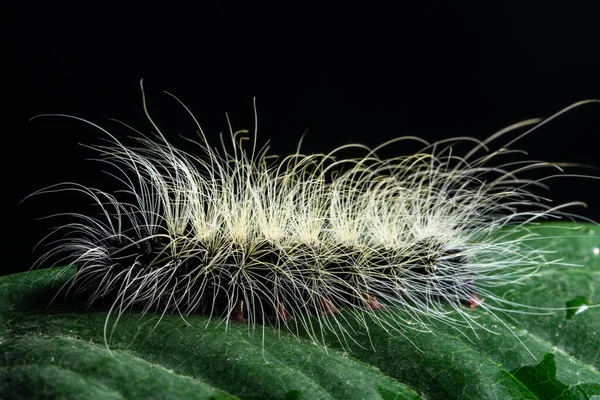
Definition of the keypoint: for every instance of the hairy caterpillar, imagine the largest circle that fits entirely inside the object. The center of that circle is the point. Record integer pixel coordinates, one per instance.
(238, 234)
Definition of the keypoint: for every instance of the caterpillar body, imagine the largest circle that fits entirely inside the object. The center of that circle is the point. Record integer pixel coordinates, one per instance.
(237, 234)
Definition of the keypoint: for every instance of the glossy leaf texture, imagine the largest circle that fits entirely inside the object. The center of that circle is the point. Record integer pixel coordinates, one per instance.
(59, 350)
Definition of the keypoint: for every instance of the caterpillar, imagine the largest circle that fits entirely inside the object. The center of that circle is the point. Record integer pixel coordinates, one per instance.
(237, 234)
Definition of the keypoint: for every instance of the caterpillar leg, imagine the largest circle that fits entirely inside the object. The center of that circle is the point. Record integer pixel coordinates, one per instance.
(281, 313)
(371, 302)
(327, 306)
(475, 301)
(238, 313)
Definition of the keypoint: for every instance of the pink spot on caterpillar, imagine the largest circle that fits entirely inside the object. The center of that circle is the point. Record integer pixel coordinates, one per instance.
(475, 302)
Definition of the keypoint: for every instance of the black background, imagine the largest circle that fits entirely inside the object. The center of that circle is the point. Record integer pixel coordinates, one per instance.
(352, 73)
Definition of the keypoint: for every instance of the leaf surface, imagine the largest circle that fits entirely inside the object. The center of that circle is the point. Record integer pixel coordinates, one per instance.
(60, 350)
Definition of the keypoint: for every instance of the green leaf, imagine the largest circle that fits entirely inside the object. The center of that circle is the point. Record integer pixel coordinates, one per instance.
(60, 351)
(576, 306)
